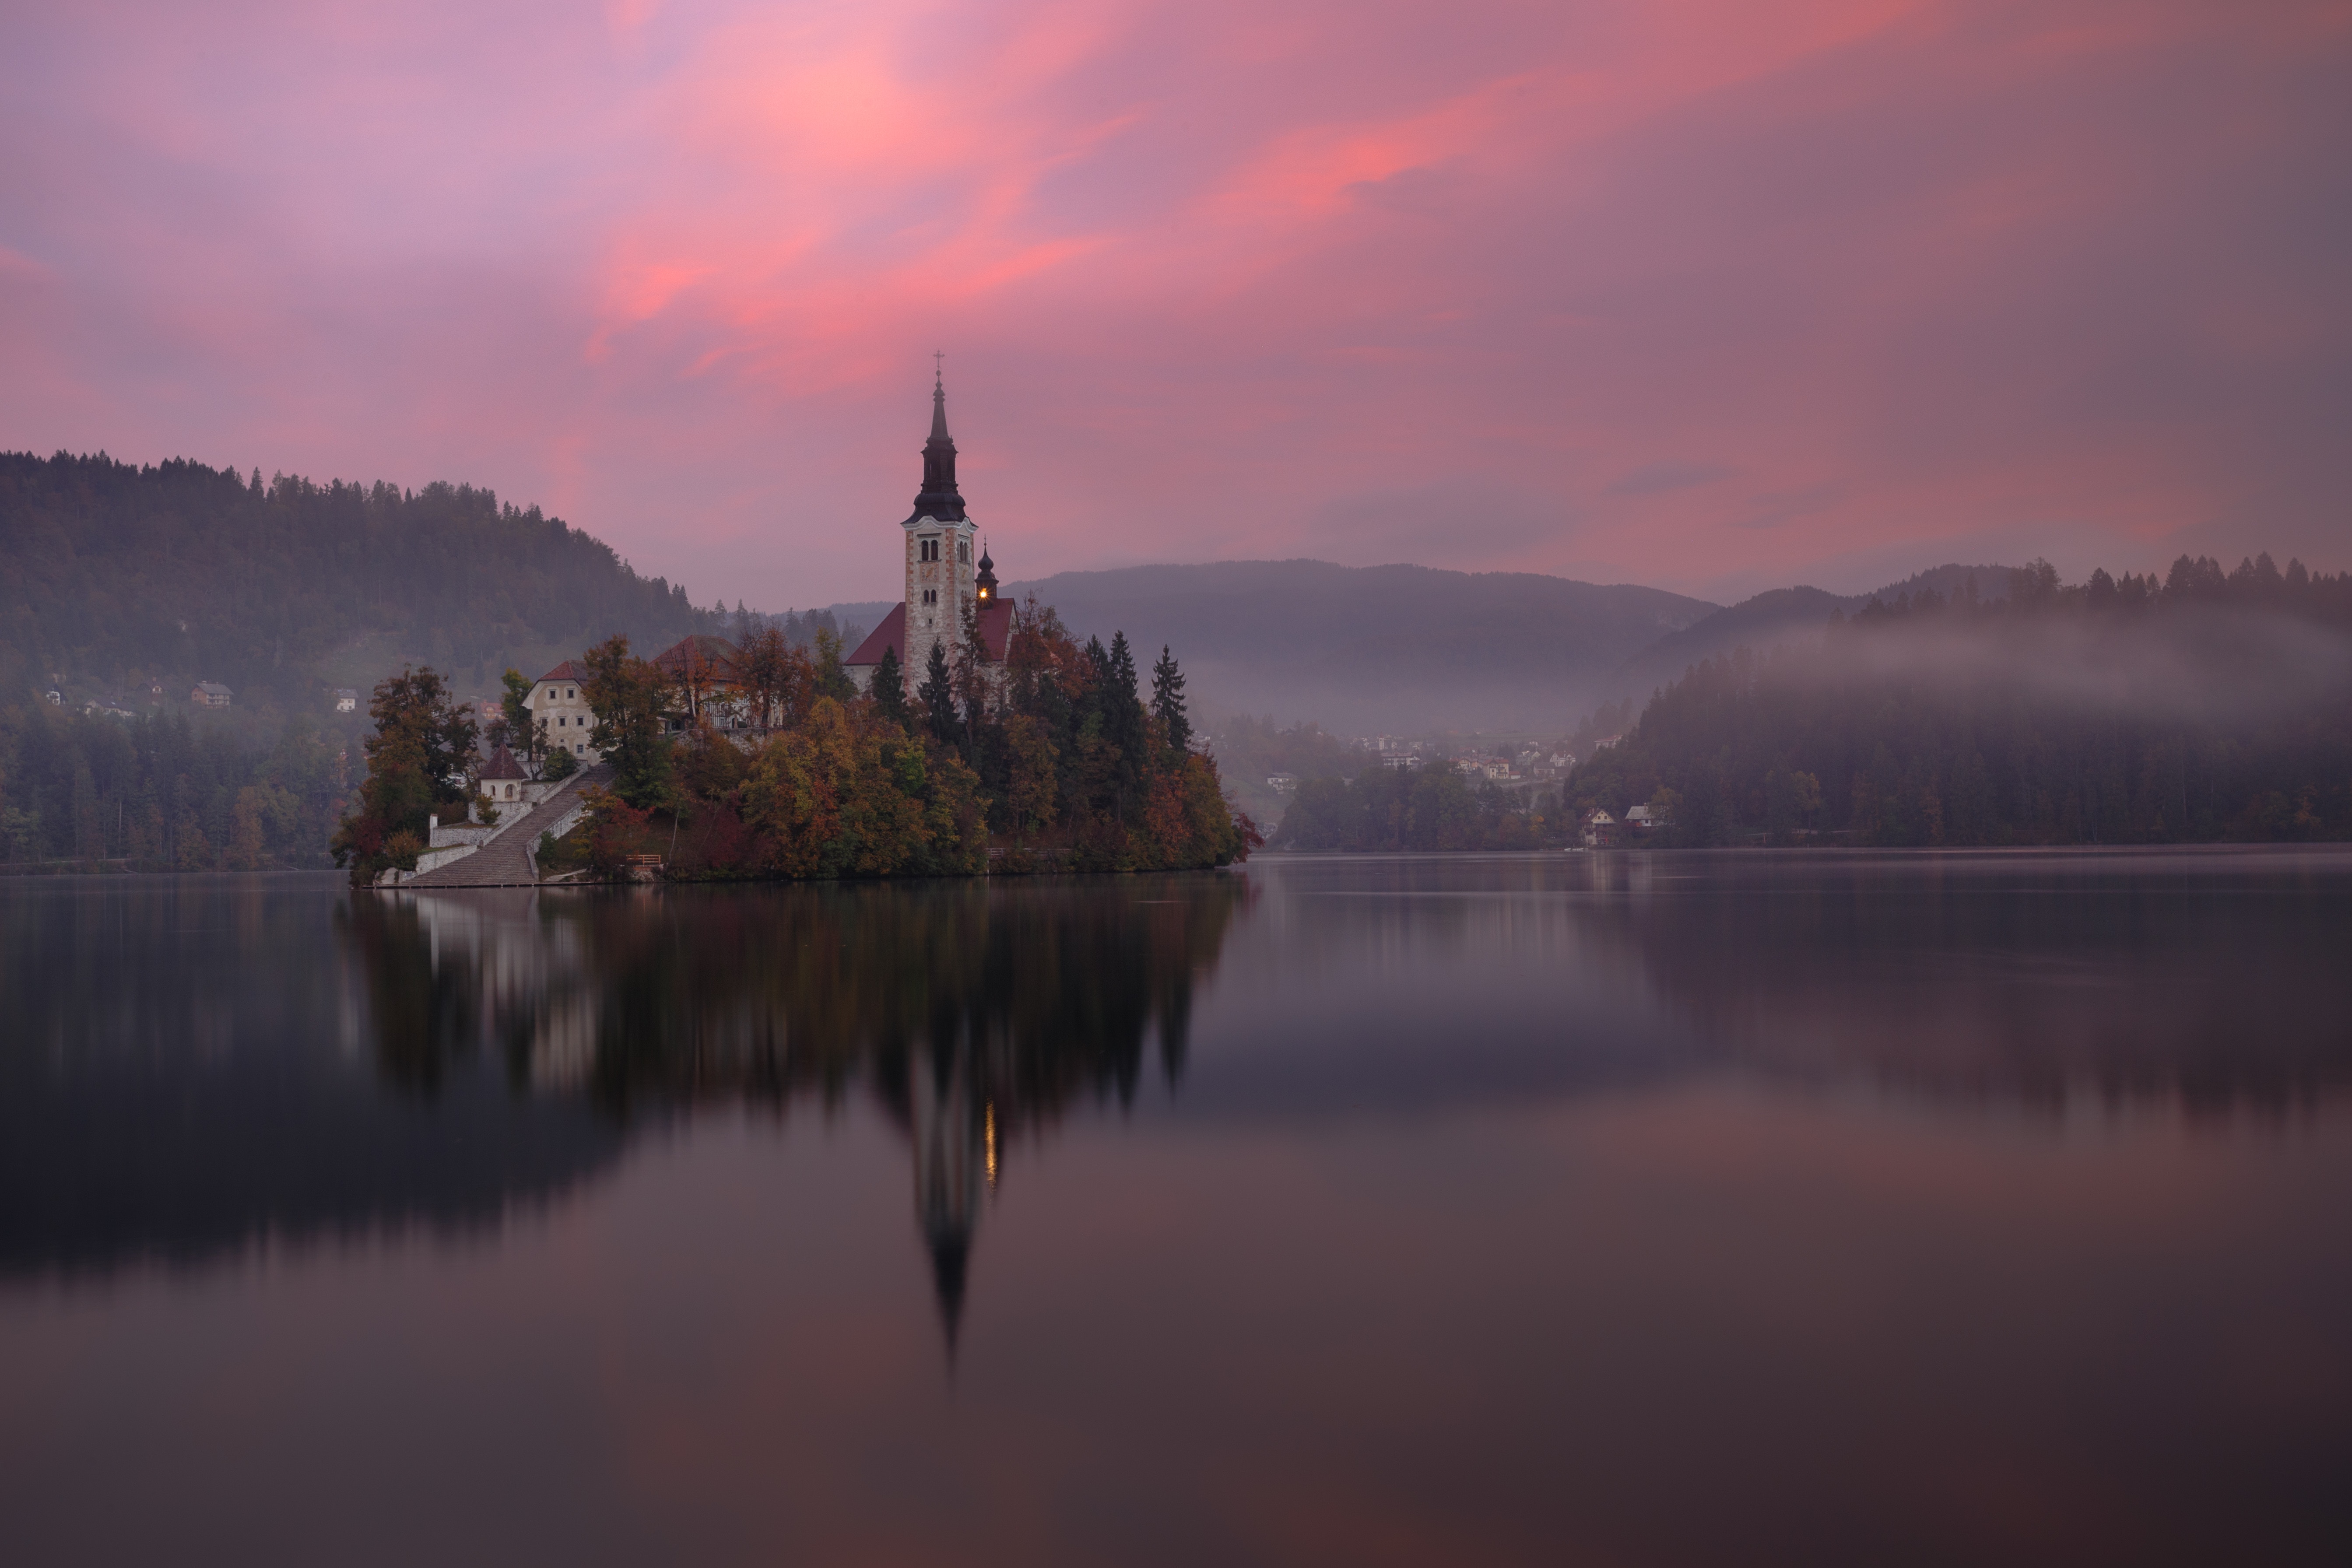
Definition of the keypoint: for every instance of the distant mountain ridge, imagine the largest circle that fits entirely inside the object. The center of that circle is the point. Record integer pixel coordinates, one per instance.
(1367, 649)
(112, 574)
(1407, 649)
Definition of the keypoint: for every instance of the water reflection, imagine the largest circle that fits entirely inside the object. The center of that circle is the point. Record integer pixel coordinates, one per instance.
(185, 1074)
(975, 1014)
(191, 1065)
(1679, 1210)
(2042, 983)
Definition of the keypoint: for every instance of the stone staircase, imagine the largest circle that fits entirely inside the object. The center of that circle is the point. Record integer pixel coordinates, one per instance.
(508, 859)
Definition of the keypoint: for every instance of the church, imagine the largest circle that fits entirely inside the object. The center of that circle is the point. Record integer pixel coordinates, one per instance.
(946, 589)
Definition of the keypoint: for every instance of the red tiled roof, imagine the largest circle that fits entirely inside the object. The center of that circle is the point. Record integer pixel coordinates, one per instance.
(891, 633)
(996, 635)
(719, 656)
(567, 670)
(996, 628)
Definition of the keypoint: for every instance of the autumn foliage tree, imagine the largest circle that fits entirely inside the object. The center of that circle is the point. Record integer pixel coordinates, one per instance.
(419, 761)
(1051, 747)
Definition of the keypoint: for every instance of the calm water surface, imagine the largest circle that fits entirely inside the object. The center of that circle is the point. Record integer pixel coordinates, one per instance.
(1622, 1209)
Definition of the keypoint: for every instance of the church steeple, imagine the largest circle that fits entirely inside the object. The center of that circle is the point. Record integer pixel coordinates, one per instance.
(940, 499)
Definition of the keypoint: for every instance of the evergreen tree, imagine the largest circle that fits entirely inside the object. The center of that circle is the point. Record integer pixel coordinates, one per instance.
(890, 691)
(1167, 700)
(515, 728)
(937, 697)
(1123, 720)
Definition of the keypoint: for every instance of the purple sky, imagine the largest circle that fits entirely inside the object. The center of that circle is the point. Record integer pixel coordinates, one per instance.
(1713, 295)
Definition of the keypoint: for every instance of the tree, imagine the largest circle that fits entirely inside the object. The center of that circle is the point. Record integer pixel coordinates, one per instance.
(890, 691)
(1029, 791)
(627, 695)
(832, 680)
(938, 699)
(515, 728)
(778, 678)
(1168, 702)
(419, 759)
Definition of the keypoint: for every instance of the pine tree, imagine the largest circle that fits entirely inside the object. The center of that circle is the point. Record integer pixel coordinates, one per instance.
(515, 726)
(890, 690)
(1167, 700)
(938, 696)
(1123, 720)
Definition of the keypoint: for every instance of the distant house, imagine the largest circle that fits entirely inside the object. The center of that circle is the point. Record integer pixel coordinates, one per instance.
(1282, 784)
(209, 694)
(346, 699)
(56, 698)
(1639, 819)
(1600, 830)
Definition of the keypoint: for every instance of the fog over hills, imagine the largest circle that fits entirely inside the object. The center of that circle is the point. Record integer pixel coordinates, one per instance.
(1779, 614)
(1407, 649)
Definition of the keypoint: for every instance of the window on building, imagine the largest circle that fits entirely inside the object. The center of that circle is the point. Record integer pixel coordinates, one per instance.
(963, 550)
(550, 694)
(928, 548)
(570, 693)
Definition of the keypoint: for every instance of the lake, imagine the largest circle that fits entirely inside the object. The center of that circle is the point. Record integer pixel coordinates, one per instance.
(1621, 1208)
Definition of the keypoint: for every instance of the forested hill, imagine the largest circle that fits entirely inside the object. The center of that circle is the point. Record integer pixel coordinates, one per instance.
(113, 577)
(2208, 706)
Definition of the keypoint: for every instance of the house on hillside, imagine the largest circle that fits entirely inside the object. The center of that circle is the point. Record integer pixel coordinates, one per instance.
(209, 694)
(346, 699)
(558, 710)
(1600, 830)
(1640, 819)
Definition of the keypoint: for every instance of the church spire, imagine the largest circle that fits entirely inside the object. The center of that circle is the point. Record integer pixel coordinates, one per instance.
(940, 499)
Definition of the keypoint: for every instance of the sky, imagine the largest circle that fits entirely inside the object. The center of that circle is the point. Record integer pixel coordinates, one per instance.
(1712, 295)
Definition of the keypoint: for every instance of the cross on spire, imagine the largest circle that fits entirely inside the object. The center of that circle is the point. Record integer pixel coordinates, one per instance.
(939, 366)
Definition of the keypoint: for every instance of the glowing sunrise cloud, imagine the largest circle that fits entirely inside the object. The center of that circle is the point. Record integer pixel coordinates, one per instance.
(1710, 295)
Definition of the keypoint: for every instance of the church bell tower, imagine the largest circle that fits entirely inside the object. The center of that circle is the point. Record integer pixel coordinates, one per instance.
(941, 581)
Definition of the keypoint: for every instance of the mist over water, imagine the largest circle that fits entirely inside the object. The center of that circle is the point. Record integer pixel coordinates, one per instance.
(1668, 1208)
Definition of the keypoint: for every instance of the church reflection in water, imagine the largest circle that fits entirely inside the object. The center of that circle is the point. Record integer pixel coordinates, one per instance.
(289, 1065)
(974, 1016)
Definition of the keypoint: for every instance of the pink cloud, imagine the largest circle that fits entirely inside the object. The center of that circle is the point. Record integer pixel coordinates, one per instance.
(1883, 280)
